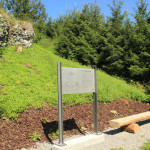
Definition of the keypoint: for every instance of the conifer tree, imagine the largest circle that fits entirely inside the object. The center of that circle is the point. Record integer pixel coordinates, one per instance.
(50, 28)
(80, 34)
(141, 13)
(140, 69)
(113, 51)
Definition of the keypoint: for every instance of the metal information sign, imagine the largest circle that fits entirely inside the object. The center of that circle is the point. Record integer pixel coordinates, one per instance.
(75, 80)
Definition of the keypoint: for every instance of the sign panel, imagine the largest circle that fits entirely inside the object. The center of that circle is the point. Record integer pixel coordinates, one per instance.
(77, 80)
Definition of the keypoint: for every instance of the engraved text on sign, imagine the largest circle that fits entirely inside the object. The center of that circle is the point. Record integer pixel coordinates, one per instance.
(77, 80)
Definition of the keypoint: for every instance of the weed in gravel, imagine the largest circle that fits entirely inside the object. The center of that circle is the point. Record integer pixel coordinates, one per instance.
(146, 146)
(142, 136)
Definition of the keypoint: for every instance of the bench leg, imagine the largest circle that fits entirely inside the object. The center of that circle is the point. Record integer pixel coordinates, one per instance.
(132, 128)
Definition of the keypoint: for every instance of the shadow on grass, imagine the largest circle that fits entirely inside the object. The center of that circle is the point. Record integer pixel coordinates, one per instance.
(52, 127)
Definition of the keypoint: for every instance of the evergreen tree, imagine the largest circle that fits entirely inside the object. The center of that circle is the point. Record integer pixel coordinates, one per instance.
(140, 70)
(141, 14)
(80, 33)
(50, 28)
(113, 51)
(129, 57)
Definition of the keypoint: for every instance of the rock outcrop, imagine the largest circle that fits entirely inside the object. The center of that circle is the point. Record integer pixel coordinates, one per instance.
(15, 33)
(4, 31)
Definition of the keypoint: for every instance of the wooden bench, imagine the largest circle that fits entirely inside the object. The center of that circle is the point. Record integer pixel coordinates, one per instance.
(128, 123)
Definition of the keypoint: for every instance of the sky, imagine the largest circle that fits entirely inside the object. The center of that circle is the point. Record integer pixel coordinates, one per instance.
(55, 8)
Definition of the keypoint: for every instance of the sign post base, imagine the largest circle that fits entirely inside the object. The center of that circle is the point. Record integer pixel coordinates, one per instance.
(86, 142)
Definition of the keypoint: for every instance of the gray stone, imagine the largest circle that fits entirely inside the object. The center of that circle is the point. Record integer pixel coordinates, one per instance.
(20, 33)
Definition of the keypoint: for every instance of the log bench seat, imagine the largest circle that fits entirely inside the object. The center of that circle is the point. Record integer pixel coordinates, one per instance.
(128, 123)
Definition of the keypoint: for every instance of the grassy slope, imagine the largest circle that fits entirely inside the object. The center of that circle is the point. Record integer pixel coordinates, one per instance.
(22, 87)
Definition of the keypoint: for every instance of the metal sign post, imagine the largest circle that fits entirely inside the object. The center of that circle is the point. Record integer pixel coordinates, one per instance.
(75, 80)
(95, 102)
(60, 111)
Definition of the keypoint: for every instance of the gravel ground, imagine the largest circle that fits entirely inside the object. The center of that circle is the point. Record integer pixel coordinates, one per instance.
(125, 140)
(115, 139)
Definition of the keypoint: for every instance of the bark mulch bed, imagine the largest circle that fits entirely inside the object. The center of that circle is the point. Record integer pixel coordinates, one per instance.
(78, 119)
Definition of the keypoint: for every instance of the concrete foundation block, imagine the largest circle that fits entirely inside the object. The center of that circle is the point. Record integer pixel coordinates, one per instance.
(87, 142)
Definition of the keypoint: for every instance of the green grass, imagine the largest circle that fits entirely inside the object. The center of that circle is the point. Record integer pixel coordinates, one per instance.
(22, 87)
(146, 146)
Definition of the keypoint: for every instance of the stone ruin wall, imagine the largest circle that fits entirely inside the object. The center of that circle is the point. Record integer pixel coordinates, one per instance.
(16, 33)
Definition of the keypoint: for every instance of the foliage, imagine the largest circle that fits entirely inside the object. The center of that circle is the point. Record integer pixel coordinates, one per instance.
(26, 9)
(79, 34)
(146, 146)
(1, 51)
(140, 46)
(32, 10)
(55, 134)
(50, 28)
(113, 52)
(115, 45)
(1, 4)
(29, 79)
(35, 137)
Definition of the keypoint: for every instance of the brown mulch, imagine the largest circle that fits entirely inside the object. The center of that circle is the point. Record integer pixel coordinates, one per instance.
(78, 119)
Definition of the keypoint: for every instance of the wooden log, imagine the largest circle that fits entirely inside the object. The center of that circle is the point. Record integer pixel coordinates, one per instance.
(132, 128)
(129, 120)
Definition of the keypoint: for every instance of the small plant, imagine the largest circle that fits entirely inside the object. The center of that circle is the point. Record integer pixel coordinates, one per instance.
(90, 112)
(35, 136)
(132, 102)
(142, 136)
(55, 134)
(45, 120)
(103, 108)
(13, 116)
(64, 108)
(81, 125)
(130, 110)
(146, 146)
